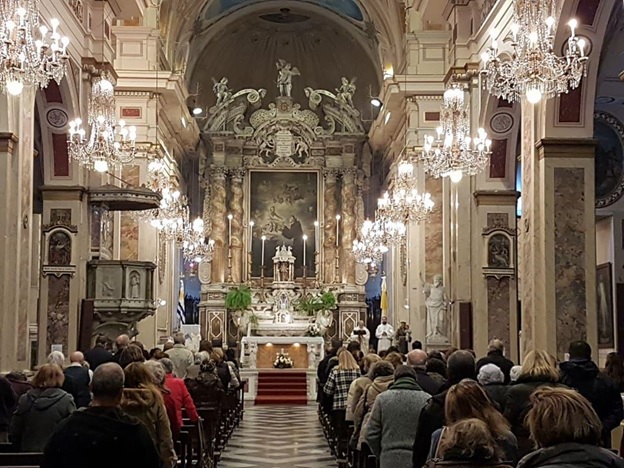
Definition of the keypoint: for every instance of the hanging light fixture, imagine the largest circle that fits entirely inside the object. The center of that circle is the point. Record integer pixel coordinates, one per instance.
(171, 218)
(196, 247)
(110, 143)
(453, 153)
(534, 70)
(30, 55)
(369, 248)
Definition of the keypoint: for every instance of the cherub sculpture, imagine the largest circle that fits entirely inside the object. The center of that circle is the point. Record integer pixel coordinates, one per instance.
(285, 73)
(222, 90)
(345, 93)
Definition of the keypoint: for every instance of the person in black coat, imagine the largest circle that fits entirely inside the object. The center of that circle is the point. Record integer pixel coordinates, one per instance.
(98, 354)
(495, 355)
(81, 379)
(461, 365)
(8, 403)
(539, 369)
(417, 358)
(102, 435)
(582, 374)
(491, 378)
(567, 432)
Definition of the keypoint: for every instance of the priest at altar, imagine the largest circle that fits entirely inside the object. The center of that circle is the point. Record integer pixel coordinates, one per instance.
(361, 335)
(384, 334)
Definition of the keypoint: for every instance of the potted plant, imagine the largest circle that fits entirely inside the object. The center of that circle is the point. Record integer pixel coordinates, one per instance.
(238, 300)
(313, 304)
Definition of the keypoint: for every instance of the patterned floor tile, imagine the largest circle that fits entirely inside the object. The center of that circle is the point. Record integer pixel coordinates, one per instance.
(276, 437)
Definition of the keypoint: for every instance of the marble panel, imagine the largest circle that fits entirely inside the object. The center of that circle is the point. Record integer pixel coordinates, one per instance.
(526, 236)
(434, 231)
(266, 355)
(570, 105)
(569, 241)
(498, 159)
(58, 312)
(497, 220)
(498, 309)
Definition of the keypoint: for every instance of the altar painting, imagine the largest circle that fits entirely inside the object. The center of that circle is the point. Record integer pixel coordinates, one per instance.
(283, 207)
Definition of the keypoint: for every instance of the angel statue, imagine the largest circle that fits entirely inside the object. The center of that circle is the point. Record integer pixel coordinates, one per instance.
(222, 90)
(345, 93)
(285, 72)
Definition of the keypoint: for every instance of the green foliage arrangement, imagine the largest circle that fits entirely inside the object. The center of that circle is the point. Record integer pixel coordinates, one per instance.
(238, 299)
(312, 304)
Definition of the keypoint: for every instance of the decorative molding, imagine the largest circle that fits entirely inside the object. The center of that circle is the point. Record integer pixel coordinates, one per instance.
(8, 141)
(617, 126)
(63, 192)
(496, 197)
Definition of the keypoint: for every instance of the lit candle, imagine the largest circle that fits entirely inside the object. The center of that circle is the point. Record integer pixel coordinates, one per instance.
(263, 241)
(337, 229)
(251, 226)
(230, 217)
(305, 238)
(316, 236)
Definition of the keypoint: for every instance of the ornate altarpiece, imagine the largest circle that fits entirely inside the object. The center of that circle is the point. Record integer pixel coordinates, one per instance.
(283, 142)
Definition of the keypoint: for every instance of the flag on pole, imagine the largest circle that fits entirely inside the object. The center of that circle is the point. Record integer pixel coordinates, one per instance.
(180, 310)
(384, 296)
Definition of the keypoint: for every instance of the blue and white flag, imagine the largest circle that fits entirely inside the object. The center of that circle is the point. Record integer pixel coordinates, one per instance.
(180, 310)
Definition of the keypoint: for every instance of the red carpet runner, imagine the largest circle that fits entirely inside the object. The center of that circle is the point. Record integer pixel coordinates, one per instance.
(282, 388)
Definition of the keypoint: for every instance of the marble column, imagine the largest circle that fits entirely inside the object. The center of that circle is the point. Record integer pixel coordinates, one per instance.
(348, 225)
(329, 226)
(219, 225)
(558, 271)
(237, 212)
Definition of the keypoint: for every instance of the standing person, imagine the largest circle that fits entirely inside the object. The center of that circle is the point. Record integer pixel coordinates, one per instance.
(102, 435)
(82, 379)
(582, 374)
(417, 358)
(567, 432)
(539, 369)
(384, 334)
(403, 336)
(179, 393)
(614, 368)
(121, 343)
(461, 365)
(361, 335)
(157, 371)
(492, 378)
(394, 419)
(8, 402)
(356, 390)
(98, 354)
(495, 355)
(223, 370)
(40, 410)
(19, 382)
(181, 356)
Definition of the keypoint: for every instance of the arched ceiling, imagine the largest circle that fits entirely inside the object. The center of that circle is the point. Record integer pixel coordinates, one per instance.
(349, 8)
(245, 45)
(610, 89)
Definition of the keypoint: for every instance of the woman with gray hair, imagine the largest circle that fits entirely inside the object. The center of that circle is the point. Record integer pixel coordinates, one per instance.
(492, 379)
(157, 372)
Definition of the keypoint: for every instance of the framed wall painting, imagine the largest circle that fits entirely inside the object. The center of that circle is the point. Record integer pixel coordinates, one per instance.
(604, 306)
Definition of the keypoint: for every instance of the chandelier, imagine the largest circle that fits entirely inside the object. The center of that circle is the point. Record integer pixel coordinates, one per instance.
(195, 246)
(171, 218)
(369, 249)
(110, 143)
(534, 70)
(30, 55)
(453, 152)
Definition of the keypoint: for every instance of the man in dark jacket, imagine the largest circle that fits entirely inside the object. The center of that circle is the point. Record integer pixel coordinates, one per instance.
(8, 403)
(81, 378)
(418, 360)
(495, 356)
(582, 374)
(461, 365)
(102, 435)
(121, 343)
(98, 354)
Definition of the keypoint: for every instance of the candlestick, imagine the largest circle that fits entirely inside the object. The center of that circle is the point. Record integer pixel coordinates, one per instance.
(305, 238)
(337, 229)
(230, 217)
(263, 241)
(316, 236)
(251, 226)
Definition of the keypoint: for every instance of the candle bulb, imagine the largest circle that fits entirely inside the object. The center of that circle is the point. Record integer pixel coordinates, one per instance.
(262, 253)
(305, 238)
(316, 236)
(337, 229)
(251, 226)
(230, 217)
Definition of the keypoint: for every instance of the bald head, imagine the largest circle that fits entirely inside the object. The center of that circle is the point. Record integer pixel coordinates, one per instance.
(417, 358)
(122, 341)
(107, 384)
(76, 356)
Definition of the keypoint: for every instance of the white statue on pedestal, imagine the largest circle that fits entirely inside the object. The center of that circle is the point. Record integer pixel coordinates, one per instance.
(311, 356)
(437, 304)
(253, 351)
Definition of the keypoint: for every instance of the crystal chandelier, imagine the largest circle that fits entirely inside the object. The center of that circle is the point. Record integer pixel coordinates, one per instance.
(110, 143)
(171, 217)
(30, 55)
(534, 70)
(369, 249)
(195, 246)
(453, 152)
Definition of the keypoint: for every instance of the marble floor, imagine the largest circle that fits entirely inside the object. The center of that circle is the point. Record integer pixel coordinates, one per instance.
(278, 436)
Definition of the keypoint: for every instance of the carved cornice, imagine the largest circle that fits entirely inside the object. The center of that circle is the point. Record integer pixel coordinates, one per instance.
(63, 192)
(462, 74)
(567, 148)
(8, 141)
(496, 197)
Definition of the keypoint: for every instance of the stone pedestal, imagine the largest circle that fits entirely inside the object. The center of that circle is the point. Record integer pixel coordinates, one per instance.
(558, 264)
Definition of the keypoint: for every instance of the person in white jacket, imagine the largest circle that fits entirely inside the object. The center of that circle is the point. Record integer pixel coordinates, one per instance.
(361, 335)
(384, 334)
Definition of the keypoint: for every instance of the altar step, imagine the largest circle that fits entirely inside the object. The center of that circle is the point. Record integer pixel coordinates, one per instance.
(282, 388)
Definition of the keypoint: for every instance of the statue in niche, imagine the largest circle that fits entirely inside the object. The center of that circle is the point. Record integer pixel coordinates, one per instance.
(59, 249)
(498, 251)
(222, 90)
(437, 304)
(135, 285)
(285, 73)
(346, 91)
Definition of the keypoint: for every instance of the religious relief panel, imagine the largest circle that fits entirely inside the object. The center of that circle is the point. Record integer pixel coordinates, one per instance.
(58, 312)
(499, 250)
(59, 249)
(284, 207)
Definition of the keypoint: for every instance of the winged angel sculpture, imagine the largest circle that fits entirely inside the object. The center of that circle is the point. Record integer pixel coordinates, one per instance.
(285, 73)
(345, 93)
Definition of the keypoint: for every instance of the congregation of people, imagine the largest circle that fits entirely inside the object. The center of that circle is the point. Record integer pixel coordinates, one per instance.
(391, 408)
(125, 407)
